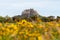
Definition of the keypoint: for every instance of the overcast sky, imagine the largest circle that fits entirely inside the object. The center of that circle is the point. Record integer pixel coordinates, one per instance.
(43, 7)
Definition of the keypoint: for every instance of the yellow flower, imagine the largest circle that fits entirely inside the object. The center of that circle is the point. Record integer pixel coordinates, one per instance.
(57, 25)
(21, 32)
(40, 26)
(40, 38)
(46, 29)
(3, 28)
(0, 24)
(29, 24)
(15, 27)
(24, 21)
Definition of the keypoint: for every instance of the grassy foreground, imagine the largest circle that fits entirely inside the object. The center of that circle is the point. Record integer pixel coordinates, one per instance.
(24, 30)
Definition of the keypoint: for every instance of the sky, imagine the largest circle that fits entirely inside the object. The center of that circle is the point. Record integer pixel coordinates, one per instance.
(43, 7)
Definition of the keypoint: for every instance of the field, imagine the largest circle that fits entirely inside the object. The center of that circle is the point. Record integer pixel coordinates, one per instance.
(24, 30)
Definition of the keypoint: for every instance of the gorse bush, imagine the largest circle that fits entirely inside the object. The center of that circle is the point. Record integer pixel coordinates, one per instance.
(24, 30)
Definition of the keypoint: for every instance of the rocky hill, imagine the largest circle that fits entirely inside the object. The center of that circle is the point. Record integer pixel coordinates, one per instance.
(29, 12)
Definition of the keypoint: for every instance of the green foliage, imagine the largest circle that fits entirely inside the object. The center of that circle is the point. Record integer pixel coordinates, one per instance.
(2, 19)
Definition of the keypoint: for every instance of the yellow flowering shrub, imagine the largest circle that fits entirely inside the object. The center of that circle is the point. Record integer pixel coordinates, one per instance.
(24, 30)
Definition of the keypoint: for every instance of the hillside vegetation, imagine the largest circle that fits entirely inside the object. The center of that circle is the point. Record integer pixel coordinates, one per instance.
(29, 26)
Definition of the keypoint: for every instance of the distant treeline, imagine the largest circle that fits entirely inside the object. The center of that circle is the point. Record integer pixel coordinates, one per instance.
(32, 18)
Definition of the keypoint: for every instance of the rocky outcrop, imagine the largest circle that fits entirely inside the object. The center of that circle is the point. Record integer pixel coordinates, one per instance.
(29, 12)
